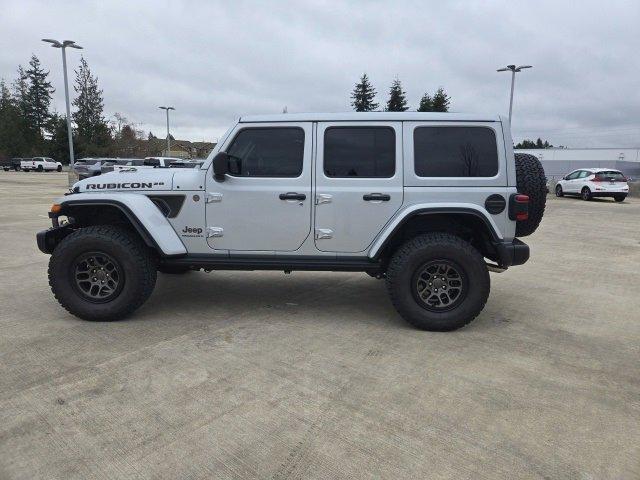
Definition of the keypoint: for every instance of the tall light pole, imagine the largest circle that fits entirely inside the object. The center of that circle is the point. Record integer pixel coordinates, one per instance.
(63, 46)
(513, 69)
(168, 135)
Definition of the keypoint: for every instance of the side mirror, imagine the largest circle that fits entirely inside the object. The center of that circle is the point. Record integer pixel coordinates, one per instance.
(220, 166)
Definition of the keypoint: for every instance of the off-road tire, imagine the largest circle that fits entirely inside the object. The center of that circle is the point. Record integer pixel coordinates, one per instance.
(421, 250)
(40, 168)
(173, 269)
(59, 168)
(559, 192)
(531, 181)
(134, 258)
(585, 194)
(619, 198)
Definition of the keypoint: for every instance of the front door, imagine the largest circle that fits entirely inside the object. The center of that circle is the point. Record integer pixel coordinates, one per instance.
(358, 183)
(264, 204)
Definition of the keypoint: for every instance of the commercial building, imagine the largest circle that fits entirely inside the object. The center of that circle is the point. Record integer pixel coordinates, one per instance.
(557, 162)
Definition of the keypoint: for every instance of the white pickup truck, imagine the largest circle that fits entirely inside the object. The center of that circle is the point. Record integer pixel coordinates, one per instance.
(40, 164)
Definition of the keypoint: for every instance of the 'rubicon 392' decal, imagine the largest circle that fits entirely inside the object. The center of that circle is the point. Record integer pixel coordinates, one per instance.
(125, 185)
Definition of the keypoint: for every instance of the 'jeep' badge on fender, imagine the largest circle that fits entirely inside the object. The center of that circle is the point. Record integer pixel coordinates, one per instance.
(191, 232)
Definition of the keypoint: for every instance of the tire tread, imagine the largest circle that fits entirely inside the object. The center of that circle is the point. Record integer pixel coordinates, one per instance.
(399, 263)
(117, 235)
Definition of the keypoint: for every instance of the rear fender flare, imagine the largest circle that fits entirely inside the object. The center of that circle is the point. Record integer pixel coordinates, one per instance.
(432, 208)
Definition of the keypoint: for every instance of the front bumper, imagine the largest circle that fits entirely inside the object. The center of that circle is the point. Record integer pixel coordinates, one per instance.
(48, 239)
(512, 253)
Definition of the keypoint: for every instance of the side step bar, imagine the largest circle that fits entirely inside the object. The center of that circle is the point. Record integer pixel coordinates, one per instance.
(285, 263)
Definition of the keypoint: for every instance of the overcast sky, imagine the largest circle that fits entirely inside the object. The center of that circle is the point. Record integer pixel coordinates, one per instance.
(215, 61)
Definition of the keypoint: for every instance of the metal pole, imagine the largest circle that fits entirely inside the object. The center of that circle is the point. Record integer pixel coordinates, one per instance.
(168, 136)
(513, 81)
(69, 128)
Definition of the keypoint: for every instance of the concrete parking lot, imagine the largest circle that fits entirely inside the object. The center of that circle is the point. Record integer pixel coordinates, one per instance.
(313, 375)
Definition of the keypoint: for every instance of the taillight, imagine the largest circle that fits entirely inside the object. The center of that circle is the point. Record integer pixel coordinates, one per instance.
(519, 207)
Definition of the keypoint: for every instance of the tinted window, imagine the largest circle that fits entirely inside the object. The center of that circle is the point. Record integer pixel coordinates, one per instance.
(573, 176)
(267, 152)
(612, 175)
(152, 162)
(359, 152)
(455, 152)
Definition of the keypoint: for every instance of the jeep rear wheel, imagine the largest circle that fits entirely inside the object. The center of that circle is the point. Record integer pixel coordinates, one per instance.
(101, 273)
(531, 181)
(438, 282)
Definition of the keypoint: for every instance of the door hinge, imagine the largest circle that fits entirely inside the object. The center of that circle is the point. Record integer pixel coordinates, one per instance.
(323, 233)
(323, 198)
(212, 197)
(214, 232)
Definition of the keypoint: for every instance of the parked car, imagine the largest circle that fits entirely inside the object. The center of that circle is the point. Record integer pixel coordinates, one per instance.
(160, 161)
(594, 182)
(12, 164)
(87, 167)
(385, 193)
(121, 163)
(40, 164)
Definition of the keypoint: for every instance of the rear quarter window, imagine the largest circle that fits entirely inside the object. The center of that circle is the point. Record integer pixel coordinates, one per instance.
(455, 152)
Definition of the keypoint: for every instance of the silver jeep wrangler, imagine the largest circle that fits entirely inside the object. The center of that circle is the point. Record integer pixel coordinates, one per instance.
(429, 202)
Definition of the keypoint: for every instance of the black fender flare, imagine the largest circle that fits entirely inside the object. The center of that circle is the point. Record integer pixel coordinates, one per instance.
(495, 237)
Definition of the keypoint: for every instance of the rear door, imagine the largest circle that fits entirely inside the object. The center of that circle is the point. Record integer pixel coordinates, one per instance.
(358, 183)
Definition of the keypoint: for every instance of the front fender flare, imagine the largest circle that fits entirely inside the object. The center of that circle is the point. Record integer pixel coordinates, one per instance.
(145, 217)
(432, 208)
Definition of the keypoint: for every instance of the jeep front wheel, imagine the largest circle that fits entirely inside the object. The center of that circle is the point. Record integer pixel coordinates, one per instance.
(101, 273)
(438, 282)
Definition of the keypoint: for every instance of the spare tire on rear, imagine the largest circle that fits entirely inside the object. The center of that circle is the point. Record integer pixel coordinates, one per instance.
(531, 181)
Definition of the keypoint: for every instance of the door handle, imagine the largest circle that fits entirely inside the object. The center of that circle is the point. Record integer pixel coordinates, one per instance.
(376, 197)
(293, 196)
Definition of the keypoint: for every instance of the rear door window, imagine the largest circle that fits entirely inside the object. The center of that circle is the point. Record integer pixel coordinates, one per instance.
(364, 152)
(455, 152)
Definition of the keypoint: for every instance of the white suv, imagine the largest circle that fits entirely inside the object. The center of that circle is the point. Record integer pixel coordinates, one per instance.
(594, 182)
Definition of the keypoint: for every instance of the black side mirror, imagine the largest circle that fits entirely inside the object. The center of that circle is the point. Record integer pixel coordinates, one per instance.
(220, 166)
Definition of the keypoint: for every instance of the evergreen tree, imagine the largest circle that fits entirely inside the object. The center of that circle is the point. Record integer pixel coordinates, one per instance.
(38, 96)
(441, 101)
(529, 144)
(12, 126)
(426, 103)
(397, 98)
(363, 95)
(58, 144)
(21, 92)
(94, 137)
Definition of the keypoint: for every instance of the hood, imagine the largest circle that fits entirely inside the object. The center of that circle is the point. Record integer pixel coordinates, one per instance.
(149, 179)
